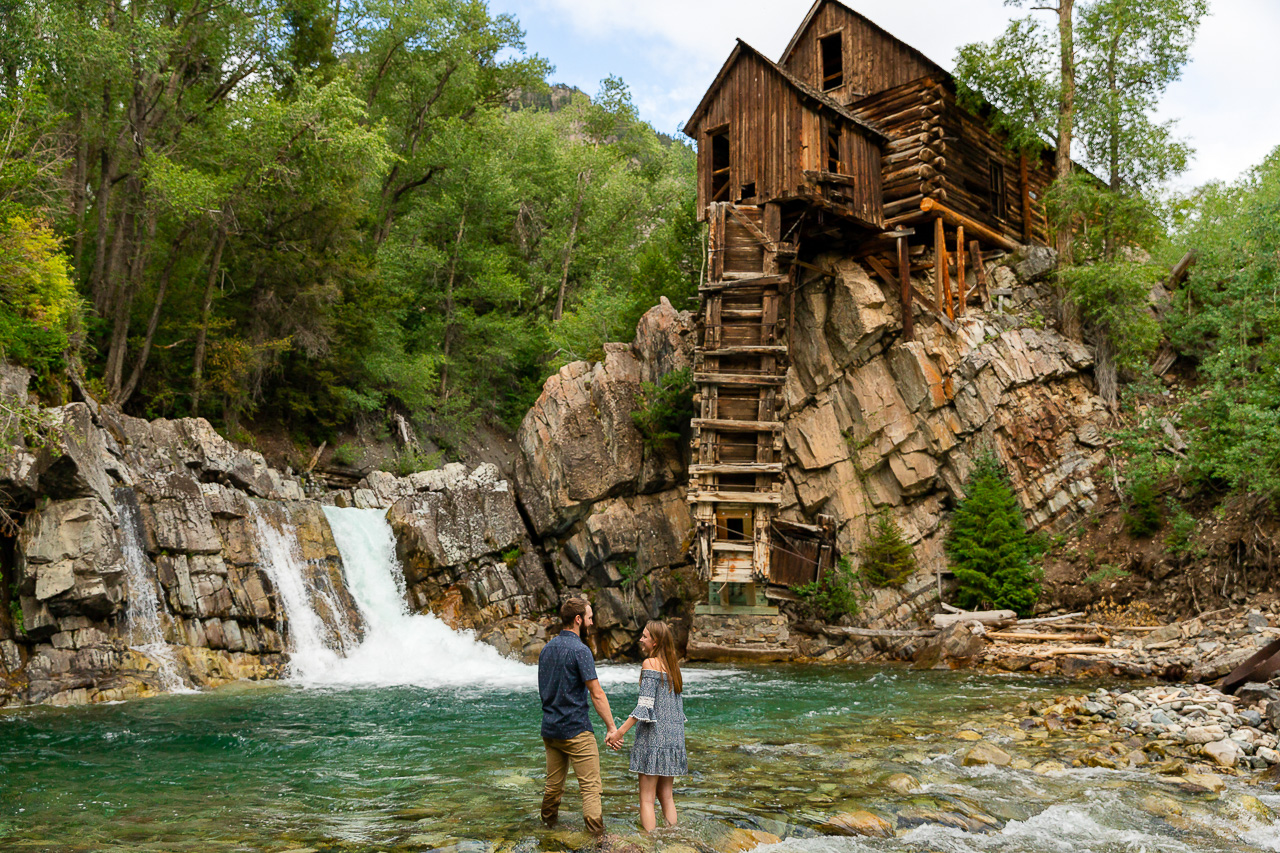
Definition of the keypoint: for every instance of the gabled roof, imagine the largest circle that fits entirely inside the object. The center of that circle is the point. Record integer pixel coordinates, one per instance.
(743, 49)
(818, 4)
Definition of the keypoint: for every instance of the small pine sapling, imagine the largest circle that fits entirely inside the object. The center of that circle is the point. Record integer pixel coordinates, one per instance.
(887, 559)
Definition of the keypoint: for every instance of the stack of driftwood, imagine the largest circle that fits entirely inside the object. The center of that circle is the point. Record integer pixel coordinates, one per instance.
(1043, 637)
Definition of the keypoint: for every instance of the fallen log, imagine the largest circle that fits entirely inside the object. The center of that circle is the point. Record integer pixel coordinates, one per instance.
(1042, 619)
(1025, 637)
(986, 617)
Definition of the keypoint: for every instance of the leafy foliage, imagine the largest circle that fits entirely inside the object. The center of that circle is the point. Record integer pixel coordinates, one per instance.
(1142, 515)
(665, 407)
(887, 559)
(988, 544)
(832, 596)
(1227, 317)
(40, 311)
(323, 210)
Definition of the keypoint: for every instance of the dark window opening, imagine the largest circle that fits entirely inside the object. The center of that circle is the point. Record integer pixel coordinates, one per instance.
(720, 165)
(748, 190)
(997, 190)
(735, 529)
(833, 150)
(832, 61)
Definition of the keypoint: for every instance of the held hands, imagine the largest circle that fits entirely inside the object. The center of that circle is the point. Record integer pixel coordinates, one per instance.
(614, 739)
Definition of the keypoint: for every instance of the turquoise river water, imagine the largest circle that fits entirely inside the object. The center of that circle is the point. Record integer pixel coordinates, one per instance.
(777, 749)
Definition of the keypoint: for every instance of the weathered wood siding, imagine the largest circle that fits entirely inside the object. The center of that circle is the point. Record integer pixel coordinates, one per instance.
(939, 150)
(873, 60)
(775, 135)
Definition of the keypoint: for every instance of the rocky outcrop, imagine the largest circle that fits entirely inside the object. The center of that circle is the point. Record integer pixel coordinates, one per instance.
(875, 423)
(871, 423)
(466, 554)
(609, 511)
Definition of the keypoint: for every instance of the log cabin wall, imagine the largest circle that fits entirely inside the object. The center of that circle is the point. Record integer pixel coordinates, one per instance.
(777, 134)
(873, 59)
(939, 150)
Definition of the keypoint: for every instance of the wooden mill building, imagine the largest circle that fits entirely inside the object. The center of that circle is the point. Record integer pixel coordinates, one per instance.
(852, 140)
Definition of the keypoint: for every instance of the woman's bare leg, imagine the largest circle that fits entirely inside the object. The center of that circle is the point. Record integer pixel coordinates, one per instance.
(666, 796)
(648, 791)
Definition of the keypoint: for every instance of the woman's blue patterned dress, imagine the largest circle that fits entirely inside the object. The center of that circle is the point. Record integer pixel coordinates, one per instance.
(659, 746)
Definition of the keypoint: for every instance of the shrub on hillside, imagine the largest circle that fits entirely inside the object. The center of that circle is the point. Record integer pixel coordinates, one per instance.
(664, 407)
(832, 596)
(988, 545)
(1142, 509)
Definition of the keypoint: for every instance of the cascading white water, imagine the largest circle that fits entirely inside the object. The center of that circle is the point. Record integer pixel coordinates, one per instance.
(400, 647)
(144, 606)
(315, 645)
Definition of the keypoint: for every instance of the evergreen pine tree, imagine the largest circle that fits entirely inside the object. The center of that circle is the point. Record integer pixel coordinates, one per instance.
(887, 559)
(988, 545)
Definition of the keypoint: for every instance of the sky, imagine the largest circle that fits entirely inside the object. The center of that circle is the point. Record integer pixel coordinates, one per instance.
(668, 51)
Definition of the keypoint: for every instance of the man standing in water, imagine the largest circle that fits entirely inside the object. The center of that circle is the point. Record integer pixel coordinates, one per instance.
(566, 677)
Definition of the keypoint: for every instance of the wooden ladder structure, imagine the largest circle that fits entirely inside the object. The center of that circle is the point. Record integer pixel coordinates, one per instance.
(740, 363)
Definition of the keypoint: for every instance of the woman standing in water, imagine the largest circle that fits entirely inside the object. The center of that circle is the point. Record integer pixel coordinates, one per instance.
(658, 754)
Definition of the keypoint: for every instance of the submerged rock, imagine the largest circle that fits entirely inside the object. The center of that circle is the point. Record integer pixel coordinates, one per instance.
(859, 822)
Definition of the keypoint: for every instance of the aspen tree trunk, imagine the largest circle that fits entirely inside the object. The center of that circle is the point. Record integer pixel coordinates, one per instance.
(568, 250)
(197, 372)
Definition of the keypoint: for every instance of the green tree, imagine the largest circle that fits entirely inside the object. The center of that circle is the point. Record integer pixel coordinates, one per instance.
(886, 558)
(988, 544)
(40, 311)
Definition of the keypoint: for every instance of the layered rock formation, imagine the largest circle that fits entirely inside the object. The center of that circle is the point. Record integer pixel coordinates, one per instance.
(609, 512)
(872, 423)
(126, 518)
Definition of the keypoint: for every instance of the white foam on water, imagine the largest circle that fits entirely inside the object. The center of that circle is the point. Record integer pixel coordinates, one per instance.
(144, 607)
(401, 647)
(311, 652)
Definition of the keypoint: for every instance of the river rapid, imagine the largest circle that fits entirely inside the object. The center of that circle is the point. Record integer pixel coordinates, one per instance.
(422, 739)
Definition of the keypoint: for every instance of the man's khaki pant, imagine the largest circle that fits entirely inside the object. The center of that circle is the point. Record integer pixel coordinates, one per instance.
(583, 752)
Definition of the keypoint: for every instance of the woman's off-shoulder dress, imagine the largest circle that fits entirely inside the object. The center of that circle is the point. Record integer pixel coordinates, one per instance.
(659, 713)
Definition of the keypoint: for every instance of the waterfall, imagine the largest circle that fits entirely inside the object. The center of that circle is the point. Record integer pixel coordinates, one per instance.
(401, 647)
(316, 644)
(146, 630)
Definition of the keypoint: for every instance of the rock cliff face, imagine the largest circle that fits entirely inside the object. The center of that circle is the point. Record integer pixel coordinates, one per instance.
(155, 555)
(872, 423)
(611, 513)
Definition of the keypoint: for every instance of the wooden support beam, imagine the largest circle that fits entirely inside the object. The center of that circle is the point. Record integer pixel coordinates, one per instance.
(830, 178)
(942, 284)
(736, 468)
(980, 272)
(745, 349)
(745, 379)
(904, 278)
(960, 288)
(746, 223)
(976, 228)
(939, 260)
(723, 425)
(774, 498)
(751, 280)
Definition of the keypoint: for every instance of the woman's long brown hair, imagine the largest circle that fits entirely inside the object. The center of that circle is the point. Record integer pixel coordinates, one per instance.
(664, 648)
